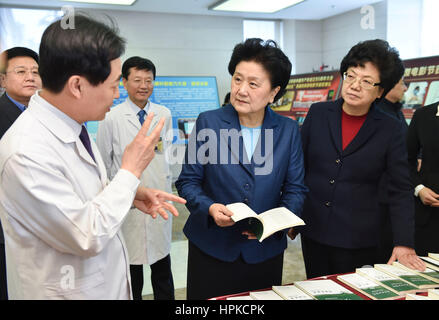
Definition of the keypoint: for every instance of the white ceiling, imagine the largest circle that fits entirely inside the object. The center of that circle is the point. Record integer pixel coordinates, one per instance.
(308, 10)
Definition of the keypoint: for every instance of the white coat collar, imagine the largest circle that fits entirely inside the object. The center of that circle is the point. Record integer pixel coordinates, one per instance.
(62, 126)
(56, 121)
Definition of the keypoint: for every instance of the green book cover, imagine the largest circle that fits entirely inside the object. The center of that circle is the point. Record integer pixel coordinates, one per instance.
(391, 282)
(340, 296)
(367, 286)
(407, 275)
(326, 290)
(417, 280)
(398, 285)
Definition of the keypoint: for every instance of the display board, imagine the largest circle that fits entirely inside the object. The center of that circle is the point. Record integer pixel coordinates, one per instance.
(421, 76)
(185, 97)
(422, 79)
(306, 89)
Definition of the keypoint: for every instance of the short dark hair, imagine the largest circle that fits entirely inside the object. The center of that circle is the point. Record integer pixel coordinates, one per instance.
(16, 52)
(269, 55)
(138, 63)
(85, 50)
(384, 57)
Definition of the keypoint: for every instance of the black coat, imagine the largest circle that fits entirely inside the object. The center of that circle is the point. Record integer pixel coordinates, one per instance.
(341, 208)
(423, 135)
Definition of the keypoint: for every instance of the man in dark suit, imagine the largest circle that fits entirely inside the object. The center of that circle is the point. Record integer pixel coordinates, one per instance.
(20, 79)
(391, 105)
(423, 135)
(348, 145)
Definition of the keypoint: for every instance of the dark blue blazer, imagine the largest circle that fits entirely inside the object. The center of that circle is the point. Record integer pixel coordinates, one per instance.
(230, 177)
(341, 208)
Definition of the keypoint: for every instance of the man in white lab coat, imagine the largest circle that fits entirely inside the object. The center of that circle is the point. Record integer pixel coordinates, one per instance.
(148, 240)
(60, 213)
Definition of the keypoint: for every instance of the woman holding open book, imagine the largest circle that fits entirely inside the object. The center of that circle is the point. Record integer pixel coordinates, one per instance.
(242, 152)
(348, 145)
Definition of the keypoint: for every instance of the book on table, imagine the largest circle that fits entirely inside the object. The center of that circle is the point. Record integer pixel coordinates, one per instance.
(393, 283)
(412, 296)
(367, 287)
(408, 276)
(326, 290)
(266, 223)
(434, 256)
(430, 263)
(291, 292)
(246, 297)
(433, 294)
(428, 273)
(265, 295)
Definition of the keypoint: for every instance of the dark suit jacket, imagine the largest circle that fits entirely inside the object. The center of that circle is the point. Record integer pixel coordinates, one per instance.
(280, 183)
(423, 134)
(341, 208)
(394, 110)
(9, 112)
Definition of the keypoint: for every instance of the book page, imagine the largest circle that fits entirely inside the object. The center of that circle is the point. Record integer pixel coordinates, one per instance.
(240, 211)
(278, 219)
(326, 290)
(291, 292)
(435, 256)
(265, 295)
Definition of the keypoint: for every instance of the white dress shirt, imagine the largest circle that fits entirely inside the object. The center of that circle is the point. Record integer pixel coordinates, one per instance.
(61, 215)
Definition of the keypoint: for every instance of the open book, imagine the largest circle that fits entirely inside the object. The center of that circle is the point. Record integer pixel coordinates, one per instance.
(268, 222)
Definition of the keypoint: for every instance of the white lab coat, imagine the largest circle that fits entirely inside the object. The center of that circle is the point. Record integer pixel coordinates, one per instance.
(148, 240)
(61, 215)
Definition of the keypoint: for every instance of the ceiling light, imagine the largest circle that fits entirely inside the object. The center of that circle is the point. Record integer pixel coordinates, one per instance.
(117, 2)
(264, 6)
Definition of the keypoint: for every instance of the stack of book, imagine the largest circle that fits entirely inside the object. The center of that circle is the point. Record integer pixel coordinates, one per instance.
(431, 262)
(381, 282)
(392, 283)
(304, 290)
(368, 287)
(410, 276)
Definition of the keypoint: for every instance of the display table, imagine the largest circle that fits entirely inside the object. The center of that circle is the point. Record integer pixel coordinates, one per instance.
(243, 295)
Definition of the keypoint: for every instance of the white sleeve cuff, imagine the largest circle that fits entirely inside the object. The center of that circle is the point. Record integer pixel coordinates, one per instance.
(127, 179)
(418, 188)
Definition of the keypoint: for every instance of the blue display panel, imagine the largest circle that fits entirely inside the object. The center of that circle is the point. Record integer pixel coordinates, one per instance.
(185, 97)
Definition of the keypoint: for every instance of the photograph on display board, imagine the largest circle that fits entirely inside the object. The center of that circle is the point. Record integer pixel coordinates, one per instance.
(422, 79)
(433, 93)
(305, 89)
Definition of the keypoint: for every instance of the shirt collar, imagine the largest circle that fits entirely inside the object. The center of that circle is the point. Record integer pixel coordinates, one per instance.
(437, 114)
(20, 106)
(135, 108)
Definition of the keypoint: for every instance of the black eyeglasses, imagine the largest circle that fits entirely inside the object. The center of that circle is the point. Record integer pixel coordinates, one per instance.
(364, 83)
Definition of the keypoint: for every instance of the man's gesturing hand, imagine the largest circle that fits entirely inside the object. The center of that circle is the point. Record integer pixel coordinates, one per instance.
(139, 153)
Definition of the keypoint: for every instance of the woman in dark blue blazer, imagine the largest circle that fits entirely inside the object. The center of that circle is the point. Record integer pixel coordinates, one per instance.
(348, 145)
(243, 152)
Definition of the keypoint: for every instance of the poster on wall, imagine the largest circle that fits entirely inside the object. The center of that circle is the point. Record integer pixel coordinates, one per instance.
(422, 79)
(305, 89)
(185, 97)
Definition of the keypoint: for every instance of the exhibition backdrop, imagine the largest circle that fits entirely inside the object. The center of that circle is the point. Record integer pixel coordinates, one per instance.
(421, 76)
(185, 97)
